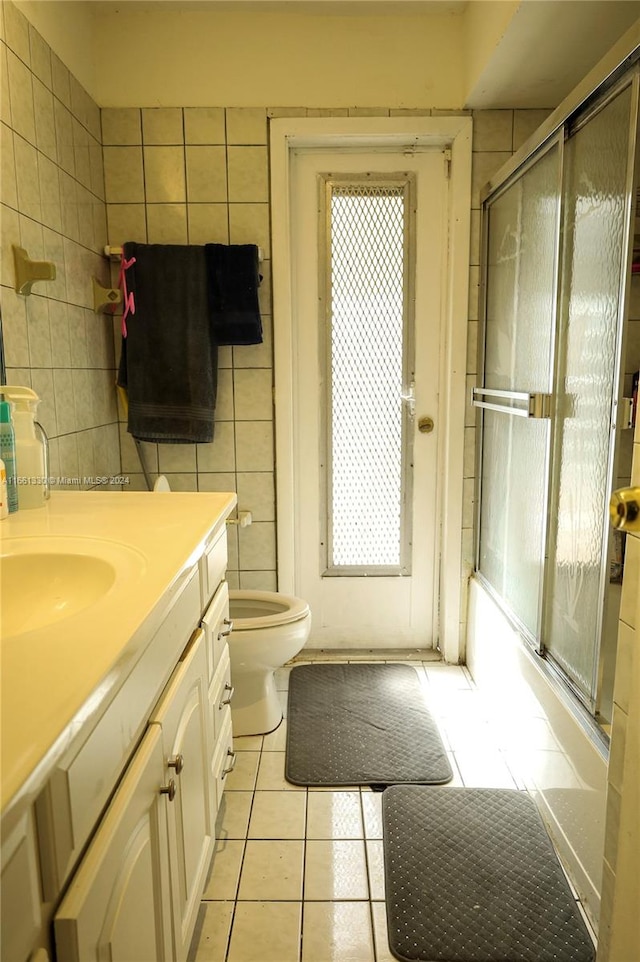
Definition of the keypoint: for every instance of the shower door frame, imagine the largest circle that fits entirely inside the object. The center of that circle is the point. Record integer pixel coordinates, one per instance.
(628, 75)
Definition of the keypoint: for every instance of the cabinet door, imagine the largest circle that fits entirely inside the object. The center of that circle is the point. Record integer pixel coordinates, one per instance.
(117, 906)
(182, 714)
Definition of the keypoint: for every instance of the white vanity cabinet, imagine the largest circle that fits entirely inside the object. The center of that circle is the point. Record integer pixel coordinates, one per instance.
(182, 715)
(137, 890)
(118, 906)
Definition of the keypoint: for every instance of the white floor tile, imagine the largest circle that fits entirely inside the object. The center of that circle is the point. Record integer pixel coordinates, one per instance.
(335, 871)
(271, 774)
(247, 743)
(266, 932)
(278, 815)
(372, 810)
(225, 870)
(212, 932)
(375, 866)
(447, 677)
(334, 815)
(337, 932)
(243, 776)
(383, 952)
(483, 769)
(233, 815)
(272, 870)
(276, 741)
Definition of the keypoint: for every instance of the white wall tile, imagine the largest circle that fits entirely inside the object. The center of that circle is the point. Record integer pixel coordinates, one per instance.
(44, 120)
(206, 174)
(248, 174)
(16, 30)
(204, 125)
(21, 97)
(124, 182)
(60, 78)
(246, 125)
(208, 223)
(256, 493)
(164, 175)
(249, 224)
(27, 178)
(492, 129)
(126, 222)
(253, 398)
(256, 355)
(218, 456)
(121, 126)
(40, 57)
(64, 137)
(167, 223)
(162, 125)
(254, 446)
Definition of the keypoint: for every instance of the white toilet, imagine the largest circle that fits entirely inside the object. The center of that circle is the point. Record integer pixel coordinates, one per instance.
(268, 630)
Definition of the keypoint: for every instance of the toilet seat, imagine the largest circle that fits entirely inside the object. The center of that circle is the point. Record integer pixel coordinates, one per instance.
(265, 609)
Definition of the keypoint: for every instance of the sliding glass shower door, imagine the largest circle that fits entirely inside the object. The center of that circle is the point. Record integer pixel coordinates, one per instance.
(522, 231)
(555, 257)
(596, 202)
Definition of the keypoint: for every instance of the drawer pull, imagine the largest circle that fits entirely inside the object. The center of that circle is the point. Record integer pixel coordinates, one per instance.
(234, 756)
(170, 790)
(227, 701)
(223, 634)
(176, 762)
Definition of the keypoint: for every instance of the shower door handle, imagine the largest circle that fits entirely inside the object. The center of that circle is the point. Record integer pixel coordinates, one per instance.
(624, 509)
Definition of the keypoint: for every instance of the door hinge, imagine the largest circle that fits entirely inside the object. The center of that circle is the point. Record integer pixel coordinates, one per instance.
(447, 163)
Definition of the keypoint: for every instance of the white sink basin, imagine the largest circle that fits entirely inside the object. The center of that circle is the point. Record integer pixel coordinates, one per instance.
(46, 580)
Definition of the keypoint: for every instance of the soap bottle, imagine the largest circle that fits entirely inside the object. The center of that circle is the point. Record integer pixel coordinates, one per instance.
(30, 451)
(8, 454)
(4, 504)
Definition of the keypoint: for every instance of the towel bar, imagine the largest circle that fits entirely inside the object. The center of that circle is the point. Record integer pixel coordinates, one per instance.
(115, 253)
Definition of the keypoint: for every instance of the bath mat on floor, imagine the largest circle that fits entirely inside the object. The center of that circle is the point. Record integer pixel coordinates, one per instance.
(361, 724)
(471, 876)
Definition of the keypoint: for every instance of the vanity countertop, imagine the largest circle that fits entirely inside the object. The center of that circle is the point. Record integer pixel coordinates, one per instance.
(58, 676)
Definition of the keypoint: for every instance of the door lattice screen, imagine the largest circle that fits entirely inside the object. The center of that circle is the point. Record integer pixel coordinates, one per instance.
(367, 300)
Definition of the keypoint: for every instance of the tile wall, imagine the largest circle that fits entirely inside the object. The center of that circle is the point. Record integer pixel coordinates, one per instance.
(621, 764)
(52, 193)
(195, 175)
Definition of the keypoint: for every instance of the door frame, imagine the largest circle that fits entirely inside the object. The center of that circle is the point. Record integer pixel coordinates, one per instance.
(452, 133)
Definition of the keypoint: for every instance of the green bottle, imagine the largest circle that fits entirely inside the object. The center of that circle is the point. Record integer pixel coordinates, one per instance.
(8, 454)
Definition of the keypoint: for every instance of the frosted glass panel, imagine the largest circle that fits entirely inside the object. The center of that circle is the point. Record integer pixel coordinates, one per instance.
(595, 204)
(519, 333)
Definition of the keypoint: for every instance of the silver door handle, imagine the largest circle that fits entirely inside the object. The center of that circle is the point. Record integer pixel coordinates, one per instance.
(227, 700)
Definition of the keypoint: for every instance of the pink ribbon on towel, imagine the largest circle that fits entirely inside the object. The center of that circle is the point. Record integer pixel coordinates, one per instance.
(127, 296)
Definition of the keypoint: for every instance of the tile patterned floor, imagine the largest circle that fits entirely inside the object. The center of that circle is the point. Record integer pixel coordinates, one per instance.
(297, 874)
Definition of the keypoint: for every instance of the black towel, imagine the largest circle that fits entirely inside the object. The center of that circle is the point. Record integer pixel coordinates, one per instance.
(233, 293)
(169, 361)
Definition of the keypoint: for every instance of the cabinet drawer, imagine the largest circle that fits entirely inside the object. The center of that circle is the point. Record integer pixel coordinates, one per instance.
(217, 627)
(213, 566)
(80, 786)
(220, 694)
(223, 760)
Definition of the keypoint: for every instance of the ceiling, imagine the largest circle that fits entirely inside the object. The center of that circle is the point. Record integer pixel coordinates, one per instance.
(547, 48)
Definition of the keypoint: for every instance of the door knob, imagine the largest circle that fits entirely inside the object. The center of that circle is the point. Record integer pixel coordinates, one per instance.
(624, 509)
(425, 425)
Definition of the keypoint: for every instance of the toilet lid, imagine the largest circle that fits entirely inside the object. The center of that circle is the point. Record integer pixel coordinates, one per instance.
(250, 610)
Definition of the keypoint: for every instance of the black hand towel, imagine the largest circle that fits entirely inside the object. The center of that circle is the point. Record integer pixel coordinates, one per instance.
(169, 361)
(233, 293)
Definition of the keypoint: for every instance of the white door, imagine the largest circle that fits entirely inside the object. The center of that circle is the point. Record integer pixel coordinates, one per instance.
(369, 241)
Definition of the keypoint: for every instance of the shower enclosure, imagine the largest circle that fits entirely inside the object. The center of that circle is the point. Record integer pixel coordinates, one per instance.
(556, 402)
